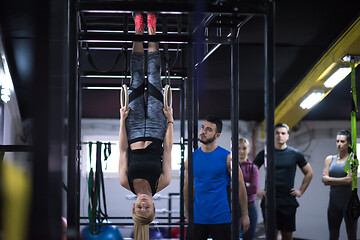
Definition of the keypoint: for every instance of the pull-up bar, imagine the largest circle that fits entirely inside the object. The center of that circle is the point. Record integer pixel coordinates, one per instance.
(16, 148)
(247, 7)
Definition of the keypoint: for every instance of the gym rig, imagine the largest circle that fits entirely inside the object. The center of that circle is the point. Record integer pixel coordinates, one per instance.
(188, 33)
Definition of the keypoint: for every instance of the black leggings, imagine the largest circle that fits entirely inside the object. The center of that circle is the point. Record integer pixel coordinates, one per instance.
(339, 198)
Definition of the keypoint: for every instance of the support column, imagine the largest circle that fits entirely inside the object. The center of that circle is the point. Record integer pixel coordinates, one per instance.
(73, 134)
(234, 140)
(48, 111)
(269, 119)
(182, 170)
(189, 109)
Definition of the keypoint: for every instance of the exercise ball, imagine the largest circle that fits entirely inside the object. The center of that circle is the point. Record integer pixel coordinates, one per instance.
(154, 233)
(165, 231)
(107, 232)
(175, 232)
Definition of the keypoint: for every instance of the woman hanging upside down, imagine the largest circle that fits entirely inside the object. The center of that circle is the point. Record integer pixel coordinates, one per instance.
(146, 132)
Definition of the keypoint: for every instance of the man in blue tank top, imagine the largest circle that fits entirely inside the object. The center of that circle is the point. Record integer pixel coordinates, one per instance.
(211, 170)
(286, 161)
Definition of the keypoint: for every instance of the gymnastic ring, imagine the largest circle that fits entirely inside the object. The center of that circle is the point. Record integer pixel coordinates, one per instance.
(167, 96)
(124, 97)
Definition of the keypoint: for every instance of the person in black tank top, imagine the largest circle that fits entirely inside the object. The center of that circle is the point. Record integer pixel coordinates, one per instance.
(334, 175)
(146, 132)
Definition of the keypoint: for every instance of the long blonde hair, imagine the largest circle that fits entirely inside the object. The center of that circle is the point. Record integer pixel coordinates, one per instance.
(141, 225)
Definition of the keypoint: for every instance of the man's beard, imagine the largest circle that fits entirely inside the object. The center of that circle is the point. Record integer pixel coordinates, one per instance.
(208, 141)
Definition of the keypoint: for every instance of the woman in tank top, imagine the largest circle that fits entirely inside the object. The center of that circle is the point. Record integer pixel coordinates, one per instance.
(146, 131)
(340, 187)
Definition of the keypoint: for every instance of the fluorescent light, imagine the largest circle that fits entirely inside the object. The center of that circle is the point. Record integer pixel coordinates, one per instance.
(337, 77)
(312, 99)
(5, 94)
(6, 86)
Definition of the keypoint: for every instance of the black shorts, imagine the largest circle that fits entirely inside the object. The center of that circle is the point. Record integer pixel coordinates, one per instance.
(203, 231)
(286, 223)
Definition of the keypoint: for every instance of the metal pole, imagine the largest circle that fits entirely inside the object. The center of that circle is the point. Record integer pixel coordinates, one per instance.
(269, 116)
(189, 106)
(40, 216)
(190, 114)
(198, 55)
(182, 148)
(234, 139)
(169, 208)
(73, 200)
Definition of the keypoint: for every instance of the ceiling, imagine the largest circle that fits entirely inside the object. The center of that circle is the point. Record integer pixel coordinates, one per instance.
(304, 31)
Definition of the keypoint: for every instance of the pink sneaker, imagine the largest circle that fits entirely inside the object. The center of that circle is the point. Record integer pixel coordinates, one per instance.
(139, 23)
(151, 22)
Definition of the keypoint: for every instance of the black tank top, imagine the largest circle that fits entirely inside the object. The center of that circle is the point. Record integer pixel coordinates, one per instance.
(146, 164)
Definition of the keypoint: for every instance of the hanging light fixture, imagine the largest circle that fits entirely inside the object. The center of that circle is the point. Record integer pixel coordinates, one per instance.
(312, 99)
(4, 89)
(337, 77)
(5, 94)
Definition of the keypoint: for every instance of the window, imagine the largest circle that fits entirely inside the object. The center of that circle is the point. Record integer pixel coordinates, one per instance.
(176, 156)
(110, 167)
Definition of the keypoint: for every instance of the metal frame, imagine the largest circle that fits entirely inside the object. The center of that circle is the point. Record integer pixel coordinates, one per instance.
(182, 169)
(2, 111)
(243, 8)
(16, 148)
(74, 144)
(48, 109)
(49, 123)
(269, 116)
(235, 139)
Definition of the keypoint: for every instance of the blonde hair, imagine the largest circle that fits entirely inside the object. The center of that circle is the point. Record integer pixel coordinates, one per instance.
(141, 225)
(245, 141)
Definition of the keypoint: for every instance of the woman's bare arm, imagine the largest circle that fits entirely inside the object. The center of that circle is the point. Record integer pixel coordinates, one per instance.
(332, 181)
(123, 147)
(165, 177)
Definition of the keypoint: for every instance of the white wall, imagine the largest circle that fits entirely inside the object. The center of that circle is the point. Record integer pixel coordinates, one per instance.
(316, 139)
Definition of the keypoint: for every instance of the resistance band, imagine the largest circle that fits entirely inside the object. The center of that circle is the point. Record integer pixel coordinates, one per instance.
(107, 152)
(353, 163)
(353, 207)
(95, 185)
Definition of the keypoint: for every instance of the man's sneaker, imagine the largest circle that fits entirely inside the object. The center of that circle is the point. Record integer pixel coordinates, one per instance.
(151, 22)
(139, 23)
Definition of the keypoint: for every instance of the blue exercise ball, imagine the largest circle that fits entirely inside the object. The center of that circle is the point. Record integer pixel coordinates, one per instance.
(106, 232)
(154, 233)
(165, 231)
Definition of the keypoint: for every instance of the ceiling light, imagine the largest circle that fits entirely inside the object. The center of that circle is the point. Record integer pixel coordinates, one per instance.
(5, 94)
(337, 77)
(312, 99)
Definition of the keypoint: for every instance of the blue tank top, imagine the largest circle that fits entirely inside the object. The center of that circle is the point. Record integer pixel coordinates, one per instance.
(211, 179)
